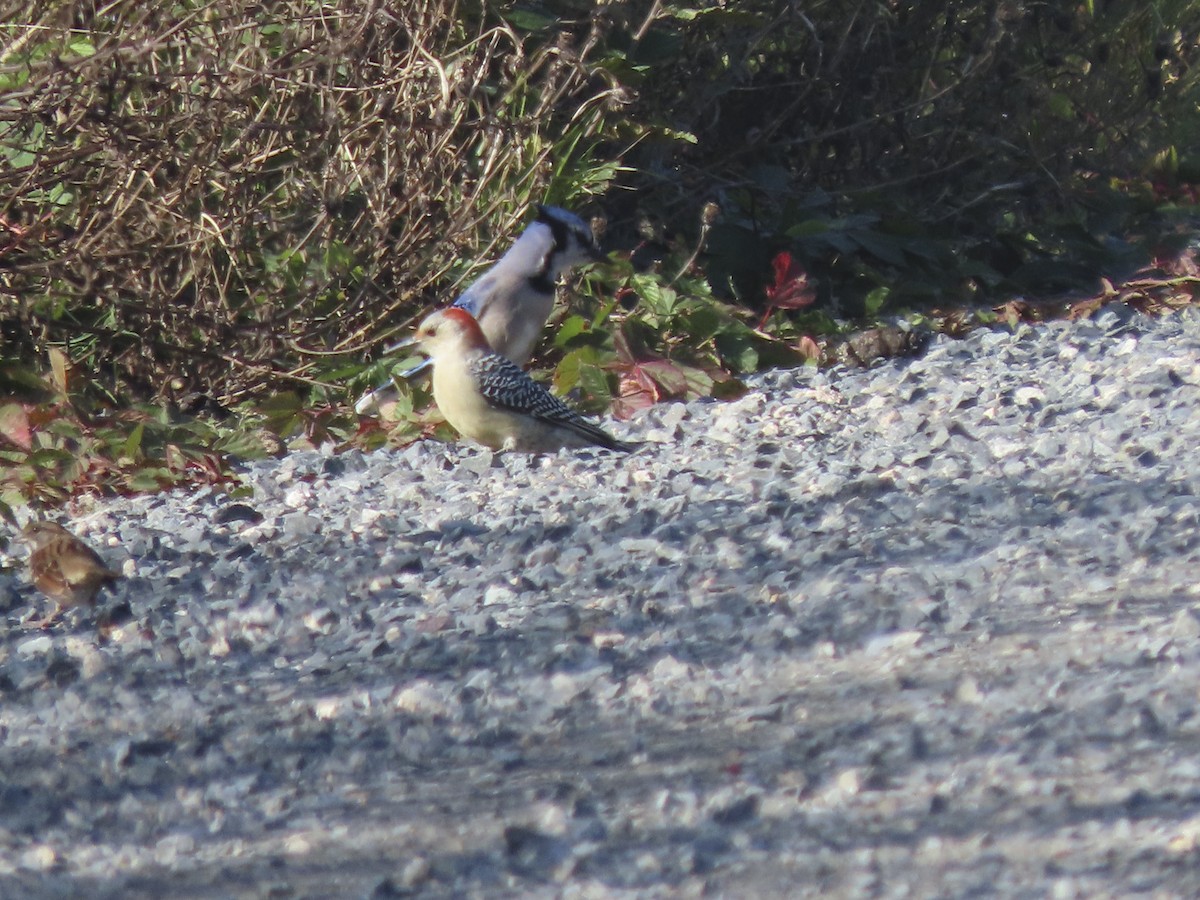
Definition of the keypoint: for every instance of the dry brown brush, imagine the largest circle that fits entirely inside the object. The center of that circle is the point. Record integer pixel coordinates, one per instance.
(220, 195)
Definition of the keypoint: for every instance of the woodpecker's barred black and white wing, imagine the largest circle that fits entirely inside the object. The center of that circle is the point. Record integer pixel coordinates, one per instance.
(506, 386)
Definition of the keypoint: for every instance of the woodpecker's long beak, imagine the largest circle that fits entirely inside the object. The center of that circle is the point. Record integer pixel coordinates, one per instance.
(409, 341)
(412, 372)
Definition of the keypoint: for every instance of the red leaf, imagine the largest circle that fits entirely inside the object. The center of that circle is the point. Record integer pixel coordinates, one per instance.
(666, 375)
(644, 379)
(14, 425)
(635, 394)
(791, 290)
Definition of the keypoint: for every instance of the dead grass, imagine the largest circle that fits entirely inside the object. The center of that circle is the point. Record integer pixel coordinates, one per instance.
(219, 196)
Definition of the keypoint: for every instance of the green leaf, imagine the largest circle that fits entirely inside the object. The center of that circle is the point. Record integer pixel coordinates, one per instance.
(656, 297)
(529, 20)
(771, 178)
(133, 444)
(882, 247)
(150, 480)
(699, 383)
(284, 401)
(241, 444)
(875, 300)
(1060, 105)
(808, 228)
(566, 373)
(583, 369)
(339, 258)
(729, 389)
(675, 134)
(572, 327)
(49, 457)
(80, 45)
(594, 382)
(282, 413)
(737, 349)
(701, 323)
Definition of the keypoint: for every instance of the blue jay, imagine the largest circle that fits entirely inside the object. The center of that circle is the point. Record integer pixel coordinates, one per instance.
(513, 299)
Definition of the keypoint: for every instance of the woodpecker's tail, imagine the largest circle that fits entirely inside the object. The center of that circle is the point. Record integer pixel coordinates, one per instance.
(596, 435)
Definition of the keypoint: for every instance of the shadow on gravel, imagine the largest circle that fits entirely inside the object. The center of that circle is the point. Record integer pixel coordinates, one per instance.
(653, 803)
(741, 781)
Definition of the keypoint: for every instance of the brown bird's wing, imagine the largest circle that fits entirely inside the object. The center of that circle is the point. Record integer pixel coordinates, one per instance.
(45, 572)
(77, 572)
(78, 565)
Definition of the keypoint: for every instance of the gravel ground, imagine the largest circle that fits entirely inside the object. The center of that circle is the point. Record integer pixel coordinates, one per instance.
(928, 629)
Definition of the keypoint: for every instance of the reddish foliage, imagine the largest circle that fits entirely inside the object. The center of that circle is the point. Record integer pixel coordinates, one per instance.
(14, 425)
(1178, 265)
(1168, 191)
(643, 379)
(791, 290)
(1085, 308)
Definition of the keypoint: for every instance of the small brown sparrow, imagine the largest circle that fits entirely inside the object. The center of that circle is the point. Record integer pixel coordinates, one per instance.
(64, 568)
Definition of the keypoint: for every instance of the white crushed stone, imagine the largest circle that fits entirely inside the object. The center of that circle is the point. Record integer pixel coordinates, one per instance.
(927, 629)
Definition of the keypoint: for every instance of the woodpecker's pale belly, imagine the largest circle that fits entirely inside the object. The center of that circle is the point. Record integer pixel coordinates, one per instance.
(473, 417)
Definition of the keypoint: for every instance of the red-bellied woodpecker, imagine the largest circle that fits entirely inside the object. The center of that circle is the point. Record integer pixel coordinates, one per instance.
(513, 299)
(490, 400)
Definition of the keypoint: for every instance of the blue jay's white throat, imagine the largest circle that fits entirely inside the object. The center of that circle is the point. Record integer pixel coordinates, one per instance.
(512, 300)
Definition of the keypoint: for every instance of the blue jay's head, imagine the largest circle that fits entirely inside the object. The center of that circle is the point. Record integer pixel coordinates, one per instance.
(573, 239)
(553, 243)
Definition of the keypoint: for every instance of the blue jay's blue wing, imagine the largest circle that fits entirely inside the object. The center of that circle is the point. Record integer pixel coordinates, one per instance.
(471, 299)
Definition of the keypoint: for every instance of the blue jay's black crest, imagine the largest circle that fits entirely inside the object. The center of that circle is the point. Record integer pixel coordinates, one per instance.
(569, 230)
(572, 242)
(506, 386)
